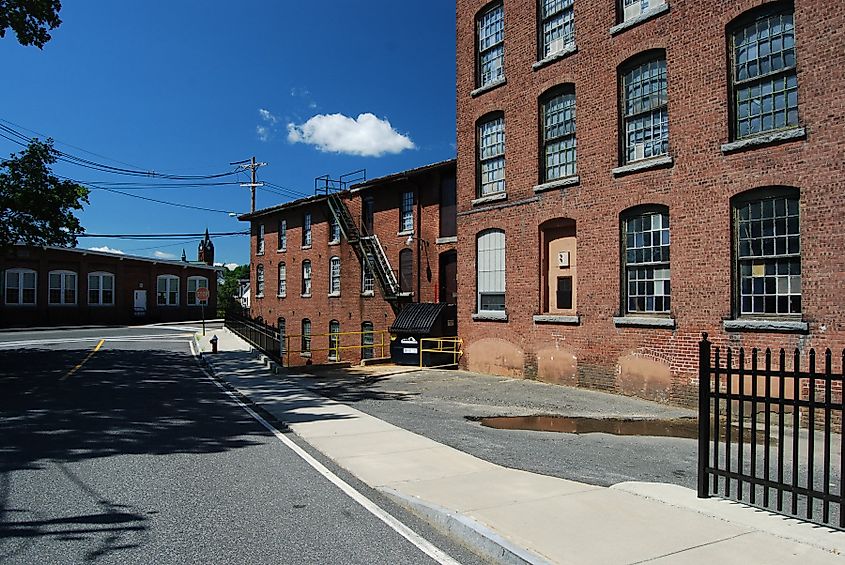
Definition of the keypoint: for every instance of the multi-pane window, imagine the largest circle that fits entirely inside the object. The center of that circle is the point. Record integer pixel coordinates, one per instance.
(633, 8)
(769, 255)
(406, 271)
(283, 282)
(557, 26)
(62, 287)
(167, 290)
(765, 83)
(306, 336)
(491, 45)
(306, 229)
(367, 279)
(259, 246)
(406, 218)
(644, 110)
(259, 281)
(490, 263)
(195, 283)
(334, 340)
(334, 229)
(334, 275)
(558, 135)
(646, 260)
(306, 278)
(283, 235)
(101, 289)
(491, 156)
(367, 340)
(20, 286)
(282, 337)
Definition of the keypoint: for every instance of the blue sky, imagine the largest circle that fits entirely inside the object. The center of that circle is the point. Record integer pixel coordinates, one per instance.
(186, 87)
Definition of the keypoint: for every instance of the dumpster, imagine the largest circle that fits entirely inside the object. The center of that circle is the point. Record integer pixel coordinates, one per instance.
(417, 321)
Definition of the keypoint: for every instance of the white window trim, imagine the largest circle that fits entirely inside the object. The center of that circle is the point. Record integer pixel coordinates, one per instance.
(282, 279)
(168, 290)
(263, 281)
(100, 275)
(334, 290)
(62, 288)
(188, 289)
(497, 314)
(20, 273)
(260, 243)
(282, 236)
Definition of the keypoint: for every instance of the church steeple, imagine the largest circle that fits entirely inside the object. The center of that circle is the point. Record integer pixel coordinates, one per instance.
(205, 251)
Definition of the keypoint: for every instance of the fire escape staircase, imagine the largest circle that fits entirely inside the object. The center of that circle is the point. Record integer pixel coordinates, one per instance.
(368, 249)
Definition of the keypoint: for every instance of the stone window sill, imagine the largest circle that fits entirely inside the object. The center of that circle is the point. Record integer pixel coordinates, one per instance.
(306, 354)
(281, 295)
(557, 183)
(368, 293)
(557, 319)
(785, 326)
(644, 165)
(334, 294)
(548, 60)
(404, 294)
(335, 242)
(643, 17)
(643, 322)
(491, 316)
(488, 87)
(282, 250)
(405, 232)
(306, 246)
(257, 296)
(451, 239)
(764, 139)
(491, 198)
(259, 253)
(305, 295)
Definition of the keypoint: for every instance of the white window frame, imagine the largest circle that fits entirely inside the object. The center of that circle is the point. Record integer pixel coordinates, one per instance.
(557, 26)
(490, 268)
(368, 280)
(196, 280)
(334, 230)
(491, 156)
(283, 235)
(645, 118)
(334, 341)
(19, 286)
(334, 276)
(283, 280)
(646, 261)
(632, 9)
(100, 276)
(306, 229)
(490, 44)
(406, 216)
(168, 281)
(62, 288)
(259, 246)
(306, 278)
(305, 338)
(557, 130)
(259, 281)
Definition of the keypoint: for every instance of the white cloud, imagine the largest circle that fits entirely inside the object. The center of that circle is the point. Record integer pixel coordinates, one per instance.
(106, 249)
(267, 116)
(163, 255)
(231, 266)
(366, 135)
(263, 133)
(266, 130)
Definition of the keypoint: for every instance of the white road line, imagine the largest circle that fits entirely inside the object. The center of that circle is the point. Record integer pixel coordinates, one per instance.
(420, 542)
(149, 337)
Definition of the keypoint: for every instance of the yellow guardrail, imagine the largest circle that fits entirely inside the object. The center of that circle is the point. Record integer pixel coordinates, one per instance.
(334, 344)
(448, 345)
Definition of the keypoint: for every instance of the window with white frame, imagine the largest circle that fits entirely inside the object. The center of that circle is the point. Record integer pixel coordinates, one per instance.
(283, 235)
(367, 278)
(259, 246)
(101, 289)
(259, 281)
(20, 287)
(283, 282)
(558, 133)
(62, 287)
(367, 340)
(334, 229)
(406, 217)
(334, 340)
(491, 155)
(195, 283)
(557, 26)
(646, 261)
(334, 276)
(490, 38)
(306, 336)
(306, 278)
(490, 262)
(645, 109)
(282, 337)
(306, 229)
(632, 9)
(764, 78)
(768, 255)
(167, 290)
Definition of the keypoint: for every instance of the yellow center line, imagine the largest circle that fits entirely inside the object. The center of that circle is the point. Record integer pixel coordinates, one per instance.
(81, 363)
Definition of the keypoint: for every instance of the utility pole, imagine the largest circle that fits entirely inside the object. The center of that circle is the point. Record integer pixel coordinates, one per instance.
(253, 167)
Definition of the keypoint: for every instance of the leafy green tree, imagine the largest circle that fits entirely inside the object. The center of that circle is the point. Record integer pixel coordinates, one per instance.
(30, 20)
(36, 207)
(226, 292)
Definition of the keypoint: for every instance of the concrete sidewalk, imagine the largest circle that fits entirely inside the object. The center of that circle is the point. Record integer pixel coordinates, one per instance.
(514, 516)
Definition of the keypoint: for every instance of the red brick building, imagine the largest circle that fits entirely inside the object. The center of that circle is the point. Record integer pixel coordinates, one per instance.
(57, 286)
(347, 259)
(709, 129)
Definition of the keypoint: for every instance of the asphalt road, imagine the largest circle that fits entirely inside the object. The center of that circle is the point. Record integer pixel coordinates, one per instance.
(131, 454)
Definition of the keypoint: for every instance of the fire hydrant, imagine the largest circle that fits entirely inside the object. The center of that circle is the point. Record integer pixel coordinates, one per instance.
(213, 342)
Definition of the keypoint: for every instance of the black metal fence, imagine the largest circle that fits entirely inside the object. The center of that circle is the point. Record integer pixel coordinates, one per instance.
(770, 431)
(261, 335)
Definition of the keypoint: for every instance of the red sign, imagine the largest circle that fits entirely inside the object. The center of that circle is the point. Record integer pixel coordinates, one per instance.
(202, 294)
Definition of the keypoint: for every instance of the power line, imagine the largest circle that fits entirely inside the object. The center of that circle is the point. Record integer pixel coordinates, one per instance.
(176, 204)
(152, 236)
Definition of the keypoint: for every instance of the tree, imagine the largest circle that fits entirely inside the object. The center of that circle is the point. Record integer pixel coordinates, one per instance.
(30, 20)
(36, 207)
(226, 292)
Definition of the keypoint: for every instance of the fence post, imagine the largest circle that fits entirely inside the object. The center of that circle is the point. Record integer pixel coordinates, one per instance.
(703, 415)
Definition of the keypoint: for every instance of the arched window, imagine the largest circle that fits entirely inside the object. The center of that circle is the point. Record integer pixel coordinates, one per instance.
(334, 276)
(100, 289)
(406, 270)
(283, 235)
(195, 283)
(20, 287)
(259, 245)
(167, 290)
(283, 283)
(334, 340)
(259, 281)
(306, 229)
(283, 347)
(645, 102)
(645, 260)
(367, 340)
(491, 155)
(490, 264)
(557, 26)
(557, 133)
(62, 287)
(334, 229)
(306, 278)
(306, 336)
(490, 39)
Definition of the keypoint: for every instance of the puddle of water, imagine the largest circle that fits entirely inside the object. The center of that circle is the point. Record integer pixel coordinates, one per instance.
(680, 427)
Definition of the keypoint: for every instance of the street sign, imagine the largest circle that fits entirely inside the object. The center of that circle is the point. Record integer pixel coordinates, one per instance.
(202, 294)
